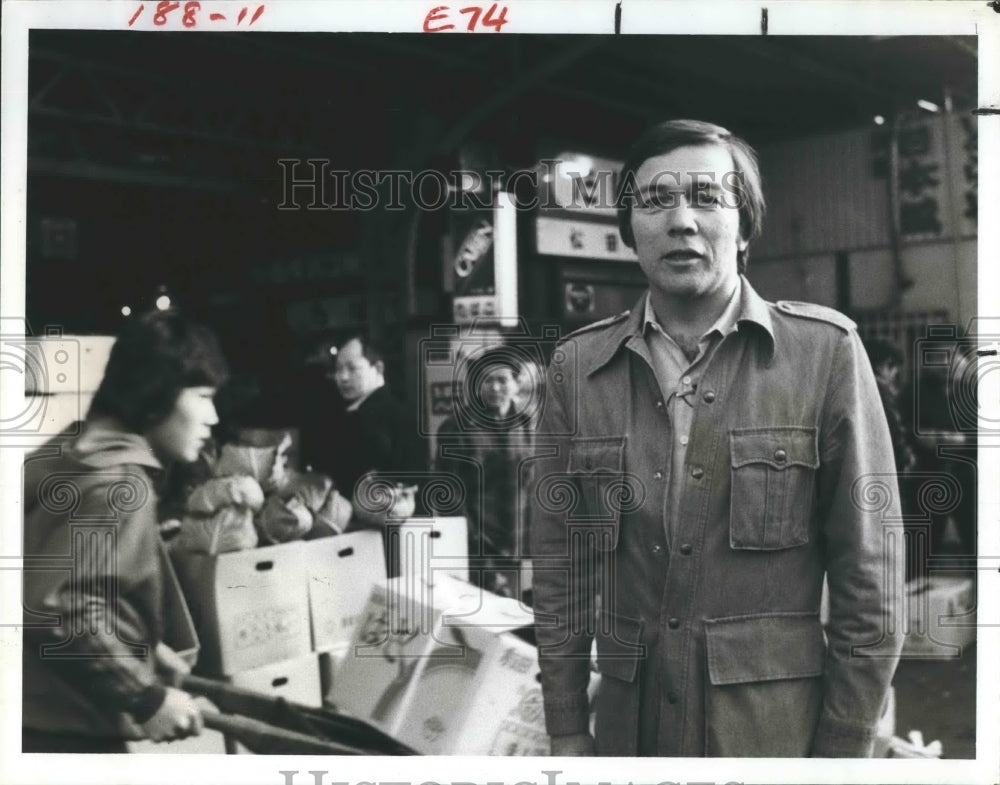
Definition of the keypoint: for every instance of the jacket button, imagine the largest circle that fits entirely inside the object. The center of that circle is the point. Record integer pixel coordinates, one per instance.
(659, 404)
(780, 455)
(697, 472)
(657, 548)
(674, 623)
(657, 475)
(686, 549)
(708, 397)
(672, 697)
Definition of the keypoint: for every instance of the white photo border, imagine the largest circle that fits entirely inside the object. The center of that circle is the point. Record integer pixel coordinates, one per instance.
(818, 17)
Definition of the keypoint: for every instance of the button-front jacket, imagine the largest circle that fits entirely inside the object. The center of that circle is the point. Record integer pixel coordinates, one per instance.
(707, 627)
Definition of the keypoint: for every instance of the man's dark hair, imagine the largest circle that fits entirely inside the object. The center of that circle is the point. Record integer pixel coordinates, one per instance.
(668, 136)
(369, 348)
(157, 356)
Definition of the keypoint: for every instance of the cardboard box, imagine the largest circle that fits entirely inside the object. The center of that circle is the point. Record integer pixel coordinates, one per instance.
(341, 572)
(330, 662)
(297, 681)
(430, 546)
(940, 616)
(485, 701)
(390, 640)
(251, 608)
(439, 668)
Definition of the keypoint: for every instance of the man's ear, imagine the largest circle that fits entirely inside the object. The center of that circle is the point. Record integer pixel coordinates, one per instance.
(380, 367)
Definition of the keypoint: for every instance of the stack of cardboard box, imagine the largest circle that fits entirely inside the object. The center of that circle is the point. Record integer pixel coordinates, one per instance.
(280, 619)
(437, 663)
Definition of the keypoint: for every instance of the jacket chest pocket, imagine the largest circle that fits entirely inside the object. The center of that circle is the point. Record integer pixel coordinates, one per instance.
(597, 465)
(773, 482)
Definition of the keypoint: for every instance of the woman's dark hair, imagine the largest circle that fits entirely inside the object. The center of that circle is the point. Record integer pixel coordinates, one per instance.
(668, 136)
(156, 356)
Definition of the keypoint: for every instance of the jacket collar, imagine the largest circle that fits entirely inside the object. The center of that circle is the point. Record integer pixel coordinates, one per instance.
(753, 310)
(104, 443)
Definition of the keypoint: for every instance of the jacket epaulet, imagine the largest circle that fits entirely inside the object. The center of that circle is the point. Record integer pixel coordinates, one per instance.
(819, 313)
(597, 325)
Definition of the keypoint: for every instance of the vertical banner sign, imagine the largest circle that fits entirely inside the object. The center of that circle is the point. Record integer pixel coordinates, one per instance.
(485, 263)
(922, 194)
(938, 176)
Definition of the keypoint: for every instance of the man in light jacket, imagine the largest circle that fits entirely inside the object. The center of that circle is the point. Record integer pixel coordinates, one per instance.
(714, 456)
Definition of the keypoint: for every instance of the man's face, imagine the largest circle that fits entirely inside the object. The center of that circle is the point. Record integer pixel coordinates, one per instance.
(497, 388)
(686, 239)
(354, 375)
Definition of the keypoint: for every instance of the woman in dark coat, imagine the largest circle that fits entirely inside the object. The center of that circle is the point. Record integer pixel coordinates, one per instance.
(96, 669)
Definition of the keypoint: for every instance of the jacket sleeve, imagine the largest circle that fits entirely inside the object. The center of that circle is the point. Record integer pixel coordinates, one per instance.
(564, 581)
(859, 502)
(450, 444)
(106, 609)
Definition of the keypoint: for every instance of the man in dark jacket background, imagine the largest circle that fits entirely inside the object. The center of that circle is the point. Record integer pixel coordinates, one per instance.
(367, 431)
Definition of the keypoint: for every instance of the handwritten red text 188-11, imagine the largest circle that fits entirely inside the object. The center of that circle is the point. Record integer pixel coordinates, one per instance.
(438, 19)
(190, 14)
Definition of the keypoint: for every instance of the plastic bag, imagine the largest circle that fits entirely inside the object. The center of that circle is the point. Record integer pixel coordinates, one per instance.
(310, 488)
(257, 462)
(218, 492)
(230, 528)
(283, 521)
(333, 517)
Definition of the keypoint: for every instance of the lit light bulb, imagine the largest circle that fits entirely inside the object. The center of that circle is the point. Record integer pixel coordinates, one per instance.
(879, 120)
(163, 302)
(126, 311)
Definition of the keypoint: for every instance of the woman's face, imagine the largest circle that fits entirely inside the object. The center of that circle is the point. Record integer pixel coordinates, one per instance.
(187, 428)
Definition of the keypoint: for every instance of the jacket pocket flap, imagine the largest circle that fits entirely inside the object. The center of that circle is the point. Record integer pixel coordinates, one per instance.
(619, 650)
(778, 447)
(764, 648)
(597, 454)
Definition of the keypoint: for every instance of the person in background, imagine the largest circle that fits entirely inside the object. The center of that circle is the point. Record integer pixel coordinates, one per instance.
(711, 455)
(887, 361)
(366, 434)
(487, 444)
(939, 406)
(96, 668)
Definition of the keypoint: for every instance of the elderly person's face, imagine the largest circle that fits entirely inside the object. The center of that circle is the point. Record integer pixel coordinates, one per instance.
(687, 241)
(497, 388)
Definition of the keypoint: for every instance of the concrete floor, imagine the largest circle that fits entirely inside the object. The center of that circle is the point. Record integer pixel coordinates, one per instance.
(938, 698)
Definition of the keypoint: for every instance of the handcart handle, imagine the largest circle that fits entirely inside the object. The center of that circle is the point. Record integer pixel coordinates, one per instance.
(238, 725)
(352, 735)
